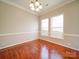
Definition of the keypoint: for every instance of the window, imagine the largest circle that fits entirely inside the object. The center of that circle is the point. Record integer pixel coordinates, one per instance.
(57, 26)
(44, 27)
(53, 27)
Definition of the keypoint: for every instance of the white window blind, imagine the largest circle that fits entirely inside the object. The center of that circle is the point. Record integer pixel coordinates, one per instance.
(44, 27)
(57, 26)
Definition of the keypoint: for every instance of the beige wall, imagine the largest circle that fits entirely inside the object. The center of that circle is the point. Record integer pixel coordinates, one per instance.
(71, 24)
(16, 25)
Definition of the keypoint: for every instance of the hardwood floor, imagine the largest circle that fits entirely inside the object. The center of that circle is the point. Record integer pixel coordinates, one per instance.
(59, 51)
(38, 49)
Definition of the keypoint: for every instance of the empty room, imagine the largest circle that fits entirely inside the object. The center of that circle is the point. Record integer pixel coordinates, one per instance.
(39, 29)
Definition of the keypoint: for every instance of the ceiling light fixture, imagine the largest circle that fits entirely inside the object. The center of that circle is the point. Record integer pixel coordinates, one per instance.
(35, 5)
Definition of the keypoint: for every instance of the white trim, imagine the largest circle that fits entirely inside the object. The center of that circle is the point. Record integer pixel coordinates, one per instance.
(18, 6)
(21, 37)
(6, 34)
(72, 35)
(16, 44)
(55, 7)
(39, 13)
(61, 44)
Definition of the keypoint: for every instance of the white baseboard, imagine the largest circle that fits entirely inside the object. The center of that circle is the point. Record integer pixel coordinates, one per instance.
(60, 44)
(10, 39)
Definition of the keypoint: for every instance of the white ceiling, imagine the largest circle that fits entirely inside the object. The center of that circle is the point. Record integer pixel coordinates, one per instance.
(24, 4)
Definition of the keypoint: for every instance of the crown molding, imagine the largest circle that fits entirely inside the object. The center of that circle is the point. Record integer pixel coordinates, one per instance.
(18, 6)
(55, 7)
(39, 13)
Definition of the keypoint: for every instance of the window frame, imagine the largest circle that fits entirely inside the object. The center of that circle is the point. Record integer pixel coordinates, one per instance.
(62, 36)
(41, 27)
(49, 27)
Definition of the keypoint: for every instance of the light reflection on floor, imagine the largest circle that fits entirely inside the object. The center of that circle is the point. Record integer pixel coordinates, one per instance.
(53, 55)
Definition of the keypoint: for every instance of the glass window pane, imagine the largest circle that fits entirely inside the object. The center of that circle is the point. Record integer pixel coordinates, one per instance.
(44, 27)
(57, 26)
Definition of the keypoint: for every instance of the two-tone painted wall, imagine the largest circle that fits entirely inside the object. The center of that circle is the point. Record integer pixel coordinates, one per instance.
(16, 25)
